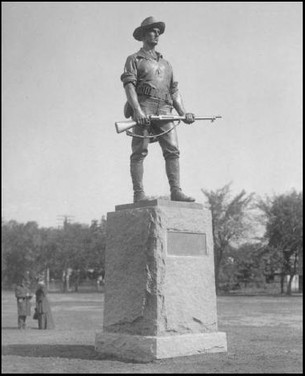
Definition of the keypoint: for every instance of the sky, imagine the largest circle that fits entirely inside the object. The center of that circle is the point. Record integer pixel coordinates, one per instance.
(62, 94)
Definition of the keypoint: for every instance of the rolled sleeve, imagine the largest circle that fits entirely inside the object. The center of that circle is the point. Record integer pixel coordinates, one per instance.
(130, 71)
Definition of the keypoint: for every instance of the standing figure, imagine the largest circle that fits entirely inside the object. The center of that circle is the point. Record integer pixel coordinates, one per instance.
(43, 309)
(23, 296)
(151, 89)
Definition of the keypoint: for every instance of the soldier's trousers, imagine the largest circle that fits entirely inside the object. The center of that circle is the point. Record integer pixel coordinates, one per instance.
(168, 142)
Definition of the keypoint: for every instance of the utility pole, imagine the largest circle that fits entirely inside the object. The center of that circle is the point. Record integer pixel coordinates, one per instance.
(64, 219)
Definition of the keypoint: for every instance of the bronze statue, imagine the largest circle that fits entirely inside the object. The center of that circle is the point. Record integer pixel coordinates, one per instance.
(151, 89)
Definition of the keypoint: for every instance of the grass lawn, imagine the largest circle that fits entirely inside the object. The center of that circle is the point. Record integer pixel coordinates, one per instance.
(264, 335)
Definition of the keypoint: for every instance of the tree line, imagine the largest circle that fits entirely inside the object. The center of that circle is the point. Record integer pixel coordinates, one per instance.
(278, 251)
(240, 256)
(30, 251)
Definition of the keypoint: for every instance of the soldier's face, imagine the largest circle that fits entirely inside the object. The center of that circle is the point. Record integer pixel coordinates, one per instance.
(151, 36)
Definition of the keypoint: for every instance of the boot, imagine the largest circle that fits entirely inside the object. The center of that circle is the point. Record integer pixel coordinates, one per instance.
(173, 174)
(136, 172)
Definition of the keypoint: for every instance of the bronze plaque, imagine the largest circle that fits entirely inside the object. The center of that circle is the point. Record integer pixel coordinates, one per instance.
(186, 243)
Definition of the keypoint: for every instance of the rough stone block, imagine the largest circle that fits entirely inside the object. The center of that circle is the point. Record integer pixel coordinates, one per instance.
(148, 348)
(159, 278)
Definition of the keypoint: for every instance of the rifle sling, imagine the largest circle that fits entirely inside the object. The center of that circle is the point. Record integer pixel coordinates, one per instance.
(155, 136)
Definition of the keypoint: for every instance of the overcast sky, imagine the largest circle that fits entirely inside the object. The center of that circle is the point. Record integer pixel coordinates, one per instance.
(61, 94)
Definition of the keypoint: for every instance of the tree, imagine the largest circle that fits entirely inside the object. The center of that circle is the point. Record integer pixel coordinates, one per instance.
(97, 245)
(284, 233)
(230, 222)
(79, 248)
(247, 264)
(27, 248)
(21, 245)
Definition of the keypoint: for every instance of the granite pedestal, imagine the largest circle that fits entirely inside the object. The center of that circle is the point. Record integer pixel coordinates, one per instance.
(160, 299)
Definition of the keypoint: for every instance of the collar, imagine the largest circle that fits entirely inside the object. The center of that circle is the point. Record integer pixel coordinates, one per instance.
(146, 55)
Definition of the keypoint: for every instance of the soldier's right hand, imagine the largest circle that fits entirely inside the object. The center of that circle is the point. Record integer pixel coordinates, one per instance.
(141, 118)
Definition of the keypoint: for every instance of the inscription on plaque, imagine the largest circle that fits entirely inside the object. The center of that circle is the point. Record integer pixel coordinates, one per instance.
(186, 243)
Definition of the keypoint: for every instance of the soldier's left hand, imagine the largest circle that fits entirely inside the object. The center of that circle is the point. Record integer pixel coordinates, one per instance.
(189, 118)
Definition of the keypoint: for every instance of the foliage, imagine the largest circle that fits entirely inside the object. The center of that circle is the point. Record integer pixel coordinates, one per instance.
(229, 221)
(26, 247)
(284, 232)
(242, 266)
(20, 247)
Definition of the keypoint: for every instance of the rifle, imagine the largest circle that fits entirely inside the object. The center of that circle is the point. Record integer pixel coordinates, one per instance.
(125, 125)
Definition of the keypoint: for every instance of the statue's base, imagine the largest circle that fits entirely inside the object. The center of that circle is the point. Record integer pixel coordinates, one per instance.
(148, 348)
(160, 299)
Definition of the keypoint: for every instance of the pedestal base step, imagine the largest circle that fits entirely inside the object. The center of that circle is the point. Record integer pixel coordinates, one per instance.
(148, 348)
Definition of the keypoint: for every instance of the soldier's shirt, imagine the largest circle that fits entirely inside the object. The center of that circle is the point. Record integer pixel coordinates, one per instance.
(142, 69)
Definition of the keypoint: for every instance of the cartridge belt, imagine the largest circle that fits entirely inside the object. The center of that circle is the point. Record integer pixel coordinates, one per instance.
(154, 93)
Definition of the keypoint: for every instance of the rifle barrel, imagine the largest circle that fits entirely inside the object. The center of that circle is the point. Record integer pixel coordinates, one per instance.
(207, 118)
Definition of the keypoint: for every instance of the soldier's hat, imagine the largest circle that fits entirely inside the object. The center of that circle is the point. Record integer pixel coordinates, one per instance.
(148, 23)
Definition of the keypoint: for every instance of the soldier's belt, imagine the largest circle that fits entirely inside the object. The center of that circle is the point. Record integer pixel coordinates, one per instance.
(154, 93)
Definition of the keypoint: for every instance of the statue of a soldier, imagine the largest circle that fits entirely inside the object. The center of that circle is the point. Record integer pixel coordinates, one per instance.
(151, 89)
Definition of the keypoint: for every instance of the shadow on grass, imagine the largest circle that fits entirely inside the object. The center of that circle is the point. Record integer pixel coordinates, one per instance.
(58, 351)
(52, 351)
(16, 328)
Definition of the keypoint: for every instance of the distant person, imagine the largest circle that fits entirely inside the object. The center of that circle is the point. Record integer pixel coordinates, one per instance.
(100, 281)
(151, 89)
(23, 296)
(43, 309)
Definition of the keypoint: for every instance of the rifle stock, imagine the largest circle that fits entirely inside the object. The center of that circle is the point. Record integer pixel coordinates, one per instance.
(122, 126)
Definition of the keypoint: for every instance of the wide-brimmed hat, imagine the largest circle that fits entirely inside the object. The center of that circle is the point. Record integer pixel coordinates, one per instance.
(149, 22)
